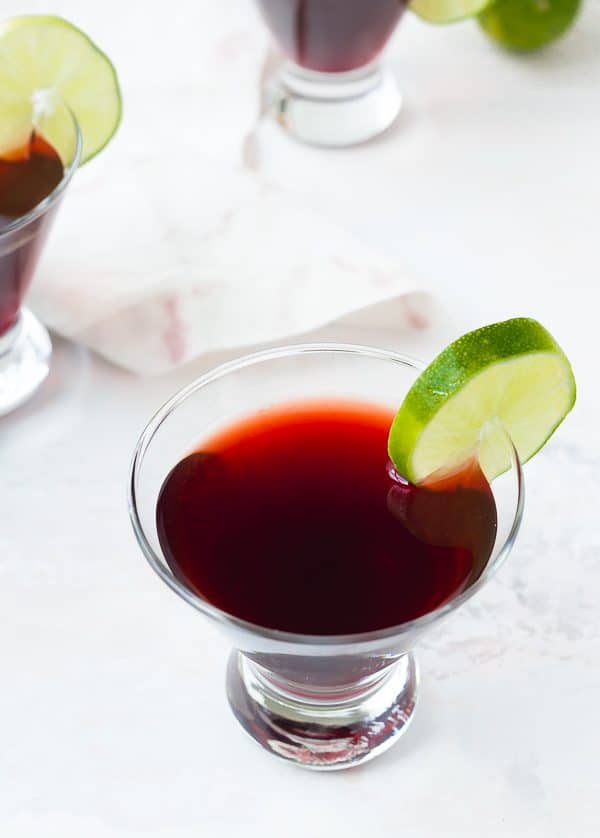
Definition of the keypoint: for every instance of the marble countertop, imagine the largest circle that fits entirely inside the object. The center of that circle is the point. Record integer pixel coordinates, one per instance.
(113, 718)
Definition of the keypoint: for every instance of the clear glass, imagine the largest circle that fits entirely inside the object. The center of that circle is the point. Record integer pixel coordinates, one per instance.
(333, 90)
(323, 702)
(25, 346)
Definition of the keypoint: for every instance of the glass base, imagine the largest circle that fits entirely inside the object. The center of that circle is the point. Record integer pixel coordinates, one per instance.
(335, 109)
(325, 734)
(24, 361)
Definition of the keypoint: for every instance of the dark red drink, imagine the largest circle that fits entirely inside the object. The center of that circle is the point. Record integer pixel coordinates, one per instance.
(293, 519)
(332, 35)
(27, 176)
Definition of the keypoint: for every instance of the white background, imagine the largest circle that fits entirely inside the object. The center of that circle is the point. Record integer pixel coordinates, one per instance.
(113, 720)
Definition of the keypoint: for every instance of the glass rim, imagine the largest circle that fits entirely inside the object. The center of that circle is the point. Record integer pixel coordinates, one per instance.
(49, 200)
(277, 635)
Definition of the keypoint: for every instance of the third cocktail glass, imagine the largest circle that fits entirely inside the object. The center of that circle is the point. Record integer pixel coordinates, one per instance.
(332, 90)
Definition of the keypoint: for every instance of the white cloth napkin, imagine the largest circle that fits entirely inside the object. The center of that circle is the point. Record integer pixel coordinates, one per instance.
(172, 244)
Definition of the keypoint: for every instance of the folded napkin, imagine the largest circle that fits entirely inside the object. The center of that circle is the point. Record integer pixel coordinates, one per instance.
(172, 244)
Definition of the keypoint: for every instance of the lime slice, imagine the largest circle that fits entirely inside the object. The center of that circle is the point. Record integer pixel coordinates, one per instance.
(15, 120)
(513, 373)
(46, 56)
(528, 24)
(448, 11)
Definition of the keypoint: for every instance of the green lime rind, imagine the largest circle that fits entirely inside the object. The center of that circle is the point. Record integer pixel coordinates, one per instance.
(512, 371)
(524, 25)
(47, 53)
(448, 11)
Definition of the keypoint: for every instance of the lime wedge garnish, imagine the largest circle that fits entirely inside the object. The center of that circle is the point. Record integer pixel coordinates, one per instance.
(47, 56)
(448, 11)
(513, 373)
(528, 24)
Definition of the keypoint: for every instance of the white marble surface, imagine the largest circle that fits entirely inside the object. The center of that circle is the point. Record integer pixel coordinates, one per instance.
(113, 720)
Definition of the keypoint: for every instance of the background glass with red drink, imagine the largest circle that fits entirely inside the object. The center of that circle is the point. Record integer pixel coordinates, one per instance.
(332, 89)
(37, 161)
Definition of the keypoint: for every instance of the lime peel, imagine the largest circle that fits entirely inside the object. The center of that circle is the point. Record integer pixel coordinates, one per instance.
(512, 372)
(524, 25)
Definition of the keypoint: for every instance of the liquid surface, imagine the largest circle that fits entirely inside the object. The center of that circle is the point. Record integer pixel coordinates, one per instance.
(27, 176)
(332, 35)
(292, 519)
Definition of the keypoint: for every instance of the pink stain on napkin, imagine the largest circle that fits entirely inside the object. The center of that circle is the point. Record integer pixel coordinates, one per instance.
(173, 336)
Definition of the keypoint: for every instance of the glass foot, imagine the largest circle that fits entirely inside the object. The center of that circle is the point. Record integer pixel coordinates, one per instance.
(24, 361)
(326, 733)
(335, 109)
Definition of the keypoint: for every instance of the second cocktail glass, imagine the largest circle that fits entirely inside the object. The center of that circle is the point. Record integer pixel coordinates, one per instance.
(332, 90)
(35, 171)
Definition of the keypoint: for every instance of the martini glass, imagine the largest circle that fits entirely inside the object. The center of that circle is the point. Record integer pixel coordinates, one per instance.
(333, 90)
(25, 346)
(323, 702)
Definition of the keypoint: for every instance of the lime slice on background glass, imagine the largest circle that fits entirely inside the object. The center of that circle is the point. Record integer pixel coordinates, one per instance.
(528, 24)
(448, 11)
(44, 57)
(513, 373)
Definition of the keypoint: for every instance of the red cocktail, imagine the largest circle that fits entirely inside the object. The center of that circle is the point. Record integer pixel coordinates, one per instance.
(293, 519)
(28, 175)
(332, 36)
